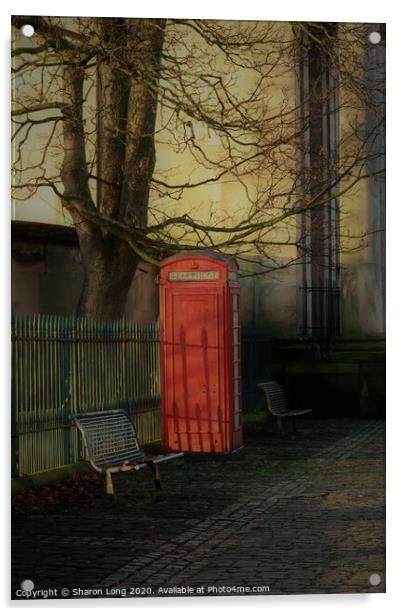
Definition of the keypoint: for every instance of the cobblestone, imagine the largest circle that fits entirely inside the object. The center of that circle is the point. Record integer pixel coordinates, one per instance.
(301, 515)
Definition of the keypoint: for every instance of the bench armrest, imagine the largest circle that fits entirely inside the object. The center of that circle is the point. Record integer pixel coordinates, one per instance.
(165, 457)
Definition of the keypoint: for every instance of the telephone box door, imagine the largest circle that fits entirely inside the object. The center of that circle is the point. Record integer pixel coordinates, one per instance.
(195, 422)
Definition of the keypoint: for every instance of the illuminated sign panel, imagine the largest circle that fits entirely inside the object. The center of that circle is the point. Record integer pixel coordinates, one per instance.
(189, 276)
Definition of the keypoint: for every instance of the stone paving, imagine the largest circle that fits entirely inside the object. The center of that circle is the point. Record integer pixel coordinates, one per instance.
(299, 514)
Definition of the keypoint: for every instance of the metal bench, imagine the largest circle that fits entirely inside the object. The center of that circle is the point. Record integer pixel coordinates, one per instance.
(112, 444)
(276, 403)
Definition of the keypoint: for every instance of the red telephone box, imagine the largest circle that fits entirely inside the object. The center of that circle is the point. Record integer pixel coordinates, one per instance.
(200, 353)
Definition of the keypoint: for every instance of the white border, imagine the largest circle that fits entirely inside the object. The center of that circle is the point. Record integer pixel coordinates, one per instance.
(306, 10)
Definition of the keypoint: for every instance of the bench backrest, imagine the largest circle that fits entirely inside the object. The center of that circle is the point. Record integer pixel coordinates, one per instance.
(275, 397)
(110, 438)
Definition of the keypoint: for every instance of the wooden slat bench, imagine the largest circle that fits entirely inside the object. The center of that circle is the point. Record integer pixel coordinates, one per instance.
(276, 403)
(110, 438)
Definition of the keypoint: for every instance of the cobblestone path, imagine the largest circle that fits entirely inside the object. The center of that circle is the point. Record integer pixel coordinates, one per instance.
(303, 514)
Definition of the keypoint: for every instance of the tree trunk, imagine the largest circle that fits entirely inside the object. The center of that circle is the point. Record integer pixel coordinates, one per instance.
(109, 268)
(125, 158)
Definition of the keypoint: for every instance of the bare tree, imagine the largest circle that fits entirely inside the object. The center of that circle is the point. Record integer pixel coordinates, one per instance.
(222, 95)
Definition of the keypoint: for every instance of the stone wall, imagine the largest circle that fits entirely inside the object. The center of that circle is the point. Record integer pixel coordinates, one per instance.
(47, 274)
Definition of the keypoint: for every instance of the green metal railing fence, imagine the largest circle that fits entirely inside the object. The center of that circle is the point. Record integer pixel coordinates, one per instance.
(66, 365)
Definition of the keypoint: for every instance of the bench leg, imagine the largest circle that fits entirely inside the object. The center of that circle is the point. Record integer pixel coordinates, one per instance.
(157, 477)
(294, 424)
(280, 425)
(156, 473)
(109, 484)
